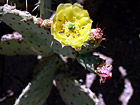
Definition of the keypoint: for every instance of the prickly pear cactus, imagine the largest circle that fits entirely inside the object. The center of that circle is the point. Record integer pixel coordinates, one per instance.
(71, 92)
(38, 90)
(68, 33)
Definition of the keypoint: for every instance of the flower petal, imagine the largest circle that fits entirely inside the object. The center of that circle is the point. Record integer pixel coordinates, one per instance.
(62, 7)
(67, 14)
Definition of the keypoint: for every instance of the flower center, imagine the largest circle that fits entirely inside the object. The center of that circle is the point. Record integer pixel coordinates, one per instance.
(71, 27)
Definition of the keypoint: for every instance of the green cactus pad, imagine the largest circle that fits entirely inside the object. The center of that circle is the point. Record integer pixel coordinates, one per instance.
(31, 33)
(89, 62)
(38, 90)
(15, 47)
(89, 47)
(41, 39)
(71, 92)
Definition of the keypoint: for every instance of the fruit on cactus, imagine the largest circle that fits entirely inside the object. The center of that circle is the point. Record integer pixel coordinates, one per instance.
(46, 23)
(104, 72)
(95, 38)
(96, 34)
(14, 35)
(71, 25)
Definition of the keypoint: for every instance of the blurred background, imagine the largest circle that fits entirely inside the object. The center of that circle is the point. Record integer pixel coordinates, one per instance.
(120, 21)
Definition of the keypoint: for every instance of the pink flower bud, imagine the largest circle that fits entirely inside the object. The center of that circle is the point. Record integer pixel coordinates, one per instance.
(96, 33)
(104, 72)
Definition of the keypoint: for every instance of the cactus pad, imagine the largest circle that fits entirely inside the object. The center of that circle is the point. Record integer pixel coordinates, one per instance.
(89, 47)
(19, 45)
(71, 91)
(41, 39)
(38, 90)
(89, 62)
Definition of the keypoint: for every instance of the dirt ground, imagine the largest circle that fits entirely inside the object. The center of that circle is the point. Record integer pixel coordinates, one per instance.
(120, 20)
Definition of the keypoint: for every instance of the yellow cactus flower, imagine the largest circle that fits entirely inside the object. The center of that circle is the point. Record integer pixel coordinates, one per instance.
(71, 25)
